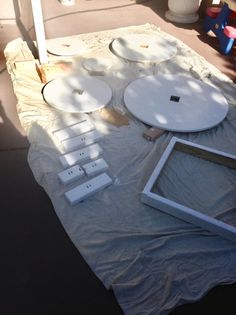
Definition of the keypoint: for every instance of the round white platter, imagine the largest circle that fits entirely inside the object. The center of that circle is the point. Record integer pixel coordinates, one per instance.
(66, 46)
(97, 64)
(144, 48)
(175, 103)
(77, 94)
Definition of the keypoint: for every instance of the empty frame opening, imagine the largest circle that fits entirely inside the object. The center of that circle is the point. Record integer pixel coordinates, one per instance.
(200, 180)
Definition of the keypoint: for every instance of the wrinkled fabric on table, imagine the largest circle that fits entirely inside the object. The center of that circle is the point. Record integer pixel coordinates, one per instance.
(151, 260)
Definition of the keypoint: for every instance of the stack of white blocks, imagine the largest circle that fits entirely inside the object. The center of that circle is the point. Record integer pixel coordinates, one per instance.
(79, 140)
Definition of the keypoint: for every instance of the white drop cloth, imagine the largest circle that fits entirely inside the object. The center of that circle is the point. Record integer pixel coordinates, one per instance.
(153, 261)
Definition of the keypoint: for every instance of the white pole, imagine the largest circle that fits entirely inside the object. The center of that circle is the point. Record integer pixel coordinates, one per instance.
(39, 30)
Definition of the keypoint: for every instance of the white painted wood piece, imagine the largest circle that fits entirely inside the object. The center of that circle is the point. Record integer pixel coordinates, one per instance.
(77, 94)
(92, 186)
(66, 46)
(175, 102)
(90, 152)
(97, 65)
(71, 174)
(95, 167)
(185, 213)
(39, 30)
(73, 130)
(82, 140)
(144, 48)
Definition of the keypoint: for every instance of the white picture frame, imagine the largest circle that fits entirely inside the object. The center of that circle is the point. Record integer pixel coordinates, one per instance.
(193, 216)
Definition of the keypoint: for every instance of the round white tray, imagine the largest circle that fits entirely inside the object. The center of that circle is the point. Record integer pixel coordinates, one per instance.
(144, 48)
(97, 64)
(66, 46)
(175, 103)
(77, 94)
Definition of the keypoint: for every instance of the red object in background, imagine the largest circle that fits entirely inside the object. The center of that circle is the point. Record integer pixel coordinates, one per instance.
(213, 11)
(230, 31)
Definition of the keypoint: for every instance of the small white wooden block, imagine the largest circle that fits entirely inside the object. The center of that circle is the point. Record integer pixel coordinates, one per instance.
(71, 174)
(188, 214)
(88, 188)
(73, 130)
(95, 167)
(90, 152)
(82, 140)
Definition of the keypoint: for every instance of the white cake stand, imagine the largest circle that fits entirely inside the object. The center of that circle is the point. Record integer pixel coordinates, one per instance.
(77, 94)
(144, 48)
(175, 103)
(66, 46)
